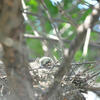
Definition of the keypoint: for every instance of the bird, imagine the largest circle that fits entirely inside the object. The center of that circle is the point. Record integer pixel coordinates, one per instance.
(46, 62)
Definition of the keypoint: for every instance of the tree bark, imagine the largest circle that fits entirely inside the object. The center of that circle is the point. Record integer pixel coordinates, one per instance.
(11, 37)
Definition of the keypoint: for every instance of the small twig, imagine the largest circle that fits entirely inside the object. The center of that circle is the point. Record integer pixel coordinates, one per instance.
(96, 45)
(69, 18)
(88, 62)
(82, 29)
(31, 13)
(73, 64)
(96, 74)
(93, 88)
(86, 44)
(40, 37)
(53, 25)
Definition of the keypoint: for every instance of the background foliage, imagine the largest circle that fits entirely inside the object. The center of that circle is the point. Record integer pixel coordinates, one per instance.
(38, 20)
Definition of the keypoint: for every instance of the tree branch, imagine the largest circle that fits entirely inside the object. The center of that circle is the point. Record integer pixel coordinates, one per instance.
(75, 44)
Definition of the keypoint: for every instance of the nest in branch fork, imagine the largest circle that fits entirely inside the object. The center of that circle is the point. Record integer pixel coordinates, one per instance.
(80, 78)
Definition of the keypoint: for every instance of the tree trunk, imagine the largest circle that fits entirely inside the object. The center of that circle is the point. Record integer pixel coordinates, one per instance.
(11, 38)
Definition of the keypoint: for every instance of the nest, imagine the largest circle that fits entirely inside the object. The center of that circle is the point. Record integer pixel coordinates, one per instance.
(79, 80)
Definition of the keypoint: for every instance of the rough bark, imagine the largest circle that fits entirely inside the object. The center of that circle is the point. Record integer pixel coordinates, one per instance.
(11, 37)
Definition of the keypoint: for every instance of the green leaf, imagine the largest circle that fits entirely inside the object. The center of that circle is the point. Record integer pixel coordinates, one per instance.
(52, 9)
(98, 80)
(78, 55)
(85, 15)
(35, 46)
(33, 5)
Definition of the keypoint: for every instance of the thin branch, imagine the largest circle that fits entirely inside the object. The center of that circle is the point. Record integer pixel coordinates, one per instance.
(67, 16)
(86, 44)
(82, 29)
(75, 44)
(41, 37)
(93, 89)
(88, 62)
(30, 36)
(55, 27)
(32, 14)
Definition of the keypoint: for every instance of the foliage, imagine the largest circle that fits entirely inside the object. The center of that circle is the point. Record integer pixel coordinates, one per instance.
(42, 24)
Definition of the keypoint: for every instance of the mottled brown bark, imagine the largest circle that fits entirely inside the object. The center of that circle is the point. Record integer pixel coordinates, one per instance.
(11, 37)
